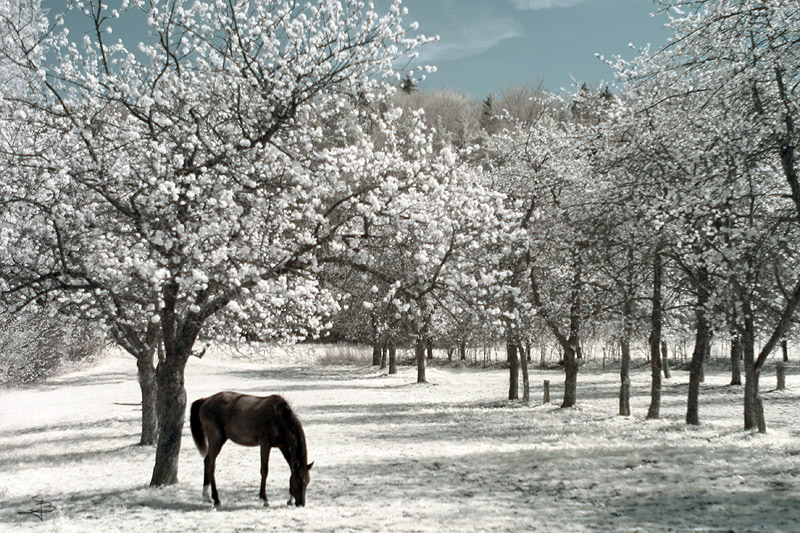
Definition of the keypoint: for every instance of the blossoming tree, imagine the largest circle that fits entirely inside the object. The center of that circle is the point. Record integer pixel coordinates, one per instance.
(192, 175)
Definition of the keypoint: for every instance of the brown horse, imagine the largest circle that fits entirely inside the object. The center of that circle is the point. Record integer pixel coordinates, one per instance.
(268, 422)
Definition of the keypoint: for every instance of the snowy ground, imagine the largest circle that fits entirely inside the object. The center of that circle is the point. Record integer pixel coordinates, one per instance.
(396, 456)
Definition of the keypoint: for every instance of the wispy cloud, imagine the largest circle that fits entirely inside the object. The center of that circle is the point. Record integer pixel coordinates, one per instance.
(544, 4)
(471, 39)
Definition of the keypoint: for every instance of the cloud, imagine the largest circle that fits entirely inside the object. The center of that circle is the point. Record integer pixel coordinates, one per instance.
(544, 4)
(471, 39)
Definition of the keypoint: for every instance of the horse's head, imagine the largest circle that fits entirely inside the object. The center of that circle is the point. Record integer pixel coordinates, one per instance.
(298, 483)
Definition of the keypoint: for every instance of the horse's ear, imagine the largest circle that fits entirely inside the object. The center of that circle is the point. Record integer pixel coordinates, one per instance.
(310, 465)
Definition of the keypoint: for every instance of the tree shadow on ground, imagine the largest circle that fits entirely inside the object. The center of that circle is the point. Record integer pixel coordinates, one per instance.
(83, 380)
(537, 483)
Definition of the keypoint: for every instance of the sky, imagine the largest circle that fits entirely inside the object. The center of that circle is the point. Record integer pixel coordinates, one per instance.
(488, 45)
(485, 45)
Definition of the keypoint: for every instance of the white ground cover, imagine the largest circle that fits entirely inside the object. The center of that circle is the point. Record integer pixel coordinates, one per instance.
(393, 455)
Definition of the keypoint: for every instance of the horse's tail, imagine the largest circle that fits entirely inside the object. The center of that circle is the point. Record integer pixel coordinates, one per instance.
(197, 428)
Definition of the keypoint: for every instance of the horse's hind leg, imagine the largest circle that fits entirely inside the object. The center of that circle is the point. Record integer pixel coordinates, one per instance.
(265, 448)
(209, 481)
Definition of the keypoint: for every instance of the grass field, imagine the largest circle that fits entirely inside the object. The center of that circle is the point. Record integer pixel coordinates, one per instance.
(393, 455)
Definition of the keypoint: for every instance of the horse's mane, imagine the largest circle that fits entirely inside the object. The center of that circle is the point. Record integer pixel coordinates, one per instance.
(295, 434)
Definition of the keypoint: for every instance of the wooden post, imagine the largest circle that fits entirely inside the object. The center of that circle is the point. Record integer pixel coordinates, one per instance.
(546, 391)
(780, 372)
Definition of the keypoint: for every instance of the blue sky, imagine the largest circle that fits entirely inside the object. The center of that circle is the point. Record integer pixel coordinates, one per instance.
(486, 45)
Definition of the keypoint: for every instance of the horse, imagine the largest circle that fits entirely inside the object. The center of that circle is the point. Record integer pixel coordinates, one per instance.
(265, 421)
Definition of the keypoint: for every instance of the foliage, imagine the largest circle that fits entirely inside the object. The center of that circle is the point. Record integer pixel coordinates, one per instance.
(37, 344)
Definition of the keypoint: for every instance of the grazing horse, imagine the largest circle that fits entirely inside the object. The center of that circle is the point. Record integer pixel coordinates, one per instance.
(250, 421)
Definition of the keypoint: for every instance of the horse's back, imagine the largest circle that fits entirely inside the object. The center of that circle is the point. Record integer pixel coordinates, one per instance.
(243, 418)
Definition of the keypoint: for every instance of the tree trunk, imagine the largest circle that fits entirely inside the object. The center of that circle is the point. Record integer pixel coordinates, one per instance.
(625, 378)
(526, 384)
(785, 350)
(654, 411)
(429, 347)
(753, 406)
(384, 354)
(462, 350)
(571, 376)
(143, 348)
(753, 411)
(392, 357)
(513, 359)
(376, 353)
(171, 411)
(178, 337)
(700, 349)
(146, 371)
(420, 353)
(665, 359)
(736, 356)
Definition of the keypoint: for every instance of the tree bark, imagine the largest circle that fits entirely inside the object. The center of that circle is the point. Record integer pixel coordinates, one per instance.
(420, 353)
(146, 371)
(178, 336)
(785, 350)
(571, 377)
(143, 348)
(392, 357)
(526, 384)
(665, 359)
(171, 413)
(736, 356)
(625, 378)
(753, 411)
(513, 360)
(429, 348)
(462, 350)
(376, 353)
(570, 343)
(700, 348)
(422, 332)
(654, 411)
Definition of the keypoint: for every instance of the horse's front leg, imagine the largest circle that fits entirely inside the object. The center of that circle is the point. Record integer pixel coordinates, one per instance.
(265, 449)
(209, 481)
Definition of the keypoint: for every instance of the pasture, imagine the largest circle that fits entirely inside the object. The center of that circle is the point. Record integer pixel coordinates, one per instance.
(393, 455)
